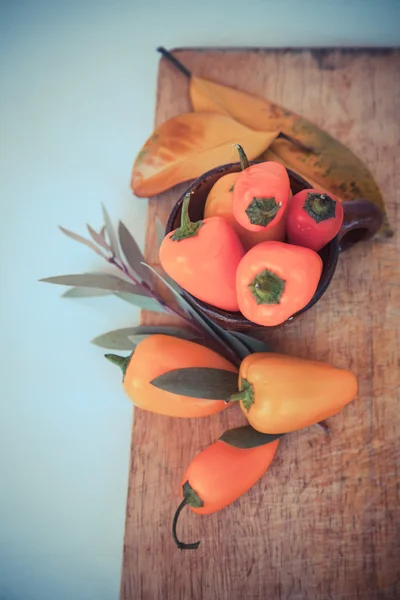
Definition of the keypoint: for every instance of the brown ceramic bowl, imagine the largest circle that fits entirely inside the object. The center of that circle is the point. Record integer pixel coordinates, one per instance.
(362, 219)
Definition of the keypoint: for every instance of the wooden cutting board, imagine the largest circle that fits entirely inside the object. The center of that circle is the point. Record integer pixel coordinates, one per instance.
(324, 521)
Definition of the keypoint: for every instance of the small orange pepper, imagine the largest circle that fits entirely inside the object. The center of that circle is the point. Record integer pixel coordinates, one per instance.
(220, 204)
(159, 354)
(261, 195)
(202, 257)
(281, 393)
(275, 280)
(219, 475)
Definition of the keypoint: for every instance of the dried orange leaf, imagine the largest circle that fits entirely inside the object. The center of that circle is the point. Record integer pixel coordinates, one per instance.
(187, 146)
(330, 166)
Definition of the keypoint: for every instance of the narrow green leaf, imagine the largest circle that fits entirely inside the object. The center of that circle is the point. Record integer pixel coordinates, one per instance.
(237, 345)
(253, 344)
(116, 340)
(173, 288)
(143, 302)
(199, 382)
(132, 253)
(82, 240)
(160, 231)
(234, 349)
(208, 326)
(136, 339)
(247, 437)
(178, 332)
(130, 337)
(102, 281)
(83, 292)
(139, 337)
(111, 233)
(98, 238)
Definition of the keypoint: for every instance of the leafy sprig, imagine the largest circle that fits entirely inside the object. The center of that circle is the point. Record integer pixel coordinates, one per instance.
(133, 282)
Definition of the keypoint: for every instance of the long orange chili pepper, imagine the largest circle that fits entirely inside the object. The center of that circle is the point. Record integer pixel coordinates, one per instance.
(217, 476)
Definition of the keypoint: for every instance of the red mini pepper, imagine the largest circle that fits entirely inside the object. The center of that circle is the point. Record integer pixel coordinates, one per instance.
(313, 219)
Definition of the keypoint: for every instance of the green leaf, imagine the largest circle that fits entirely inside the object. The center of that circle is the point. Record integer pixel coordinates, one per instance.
(178, 332)
(237, 345)
(116, 340)
(111, 234)
(82, 240)
(102, 281)
(253, 344)
(234, 349)
(247, 437)
(199, 382)
(130, 337)
(136, 339)
(98, 238)
(171, 285)
(83, 292)
(132, 253)
(143, 302)
(160, 231)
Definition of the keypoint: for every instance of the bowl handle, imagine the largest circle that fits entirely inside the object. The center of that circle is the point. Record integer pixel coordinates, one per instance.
(361, 221)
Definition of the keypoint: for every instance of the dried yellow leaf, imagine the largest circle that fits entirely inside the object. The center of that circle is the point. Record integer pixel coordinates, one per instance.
(330, 166)
(187, 146)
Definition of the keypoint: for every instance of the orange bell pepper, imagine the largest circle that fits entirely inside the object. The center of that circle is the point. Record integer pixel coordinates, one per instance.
(261, 196)
(280, 393)
(202, 258)
(275, 280)
(159, 354)
(220, 204)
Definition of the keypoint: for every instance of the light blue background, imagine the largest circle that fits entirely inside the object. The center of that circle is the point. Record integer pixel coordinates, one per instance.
(77, 96)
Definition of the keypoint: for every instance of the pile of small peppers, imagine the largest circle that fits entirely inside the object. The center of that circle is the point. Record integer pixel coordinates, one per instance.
(277, 394)
(256, 249)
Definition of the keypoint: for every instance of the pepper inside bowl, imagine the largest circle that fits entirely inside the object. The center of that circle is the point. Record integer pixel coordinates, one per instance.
(362, 219)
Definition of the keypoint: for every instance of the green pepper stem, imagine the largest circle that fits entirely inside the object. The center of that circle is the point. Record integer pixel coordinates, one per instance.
(185, 219)
(267, 287)
(245, 395)
(320, 206)
(121, 361)
(244, 161)
(181, 545)
(188, 228)
(237, 397)
(261, 211)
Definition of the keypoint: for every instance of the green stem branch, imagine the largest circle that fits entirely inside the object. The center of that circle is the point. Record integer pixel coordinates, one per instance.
(179, 544)
(121, 361)
(188, 228)
(244, 161)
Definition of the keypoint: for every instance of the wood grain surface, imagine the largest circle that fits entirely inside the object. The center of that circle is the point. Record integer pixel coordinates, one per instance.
(324, 521)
